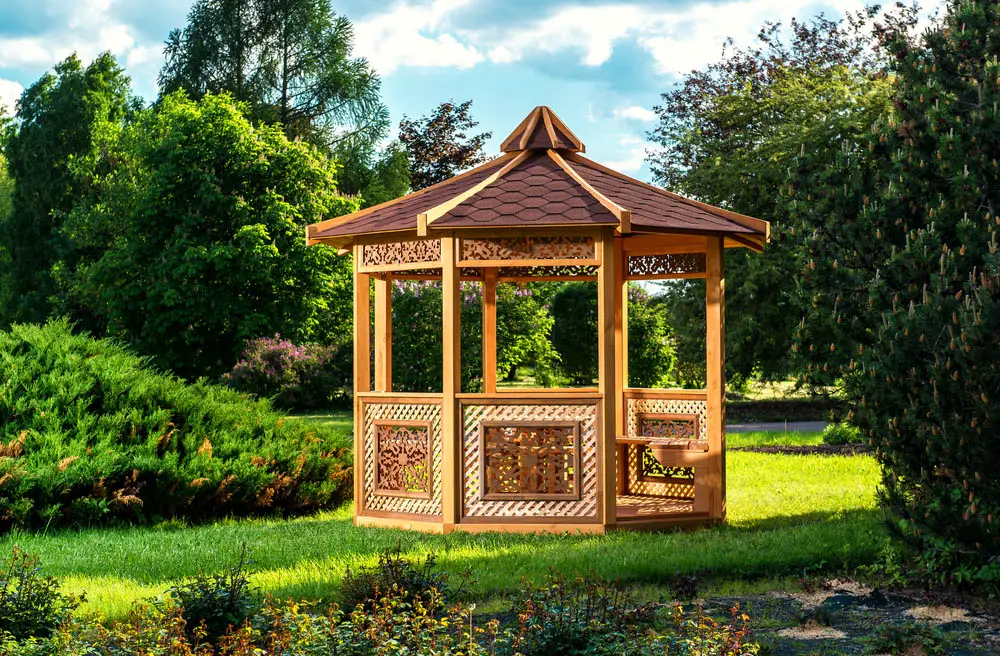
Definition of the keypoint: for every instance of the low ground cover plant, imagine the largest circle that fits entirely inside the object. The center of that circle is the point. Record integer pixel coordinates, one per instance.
(91, 434)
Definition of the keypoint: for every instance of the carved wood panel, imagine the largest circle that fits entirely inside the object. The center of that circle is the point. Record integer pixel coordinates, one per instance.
(529, 248)
(403, 458)
(670, 426)
(399, 254)
(651, 471)
(530, 460)
(666, 266)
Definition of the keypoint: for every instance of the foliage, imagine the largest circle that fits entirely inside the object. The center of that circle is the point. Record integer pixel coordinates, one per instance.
(524, 329)
(375, 177)
(394, 577)
(908, 222)
(289, 60)
(90, 434)
(842, 433)
(30, 604)
(438, 145)
(299, 378)
(651, 354)
(727, 135)
(196, 240)
(214, 605)
(53, 153)
(907, 638)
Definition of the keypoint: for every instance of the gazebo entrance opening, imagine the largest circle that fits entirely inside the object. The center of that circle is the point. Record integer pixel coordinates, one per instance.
(535, 459)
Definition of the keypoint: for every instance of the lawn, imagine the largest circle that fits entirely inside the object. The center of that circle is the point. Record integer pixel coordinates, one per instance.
(789, 515)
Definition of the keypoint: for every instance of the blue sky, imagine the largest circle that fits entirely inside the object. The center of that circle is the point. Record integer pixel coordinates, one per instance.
(600, 64)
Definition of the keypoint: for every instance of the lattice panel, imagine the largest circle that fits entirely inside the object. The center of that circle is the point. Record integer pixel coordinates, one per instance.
(403, 252)
(646, 476)
(667, 265)
(529, 248)
(568, 271)
(378, 416)
(585, 415)
(530, 460)
(403, 458)
(666, 406)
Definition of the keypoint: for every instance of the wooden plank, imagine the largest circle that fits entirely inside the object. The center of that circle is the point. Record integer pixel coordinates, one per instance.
(554, 527)
(715, 353)
(400, 397)
(383, 334)
(538, 396)
(404, 522)
(451, 425)
(362, 377)
(621, 359)
(490, 332)
(534, 262)
(607, 292)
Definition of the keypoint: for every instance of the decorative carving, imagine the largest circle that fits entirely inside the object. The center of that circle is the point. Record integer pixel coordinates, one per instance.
(553, 412)
(651, 471)
(403, 458)
(528, 460)
(568, 271)
(637, 408)
(401, 253)
(665, 266)
(675, 427)
(400, 410)
(529, 248)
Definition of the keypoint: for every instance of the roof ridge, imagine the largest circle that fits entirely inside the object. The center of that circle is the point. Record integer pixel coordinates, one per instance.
(338, 220)
(623, 215)
(427, 217)
(735, 217)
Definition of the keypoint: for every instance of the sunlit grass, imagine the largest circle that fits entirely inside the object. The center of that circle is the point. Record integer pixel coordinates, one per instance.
(787, 515)
(773, 438)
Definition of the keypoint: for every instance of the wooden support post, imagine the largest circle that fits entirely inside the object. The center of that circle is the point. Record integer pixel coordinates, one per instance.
(621, 359)
(490, 331)
(362, 375)
(715, 373)
(451, 425)
(383, 333)
(608, 291)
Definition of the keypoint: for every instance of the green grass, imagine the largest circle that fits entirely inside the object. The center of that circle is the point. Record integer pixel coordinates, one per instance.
(787, 515)
(337, 420)
(773, 438)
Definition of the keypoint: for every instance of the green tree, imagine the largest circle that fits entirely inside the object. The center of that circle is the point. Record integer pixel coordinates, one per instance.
(915, 245)
(651, 351)
(289, 60)
(374, 177)
(439, 145)
(53, 154)
(200, 234)
(524, 333)
(728, 134)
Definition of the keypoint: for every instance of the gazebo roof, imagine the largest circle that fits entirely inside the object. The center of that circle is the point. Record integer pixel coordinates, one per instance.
(541, 181)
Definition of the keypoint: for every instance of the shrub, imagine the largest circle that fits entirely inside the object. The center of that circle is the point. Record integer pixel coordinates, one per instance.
(91, 434)
(574, 333)
(396, 577)
(299, 378)
(30, 604)
(651, 353)
(842, 433)
(214, 605)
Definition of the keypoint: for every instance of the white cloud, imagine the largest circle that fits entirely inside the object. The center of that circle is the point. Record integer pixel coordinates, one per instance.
(10, 91)
(631, 155)
(635, 113)
(414, 35)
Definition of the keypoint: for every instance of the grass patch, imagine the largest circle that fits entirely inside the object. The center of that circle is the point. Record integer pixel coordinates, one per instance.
(335, 421)
(788, 514)
(773, 438)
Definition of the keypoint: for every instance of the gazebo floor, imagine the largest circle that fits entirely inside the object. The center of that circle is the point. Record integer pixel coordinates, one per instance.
(635, 506)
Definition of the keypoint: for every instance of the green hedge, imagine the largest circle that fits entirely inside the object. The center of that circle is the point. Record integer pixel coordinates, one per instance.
(90, 433)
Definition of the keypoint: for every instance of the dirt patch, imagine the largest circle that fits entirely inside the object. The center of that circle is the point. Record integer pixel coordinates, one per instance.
(813, 450)
(941, 614)
(812, 630)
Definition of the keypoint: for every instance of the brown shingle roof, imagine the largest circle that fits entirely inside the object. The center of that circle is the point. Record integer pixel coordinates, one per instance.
(541, 181)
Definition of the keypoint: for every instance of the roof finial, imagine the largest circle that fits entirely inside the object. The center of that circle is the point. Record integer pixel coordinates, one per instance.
(542, 130)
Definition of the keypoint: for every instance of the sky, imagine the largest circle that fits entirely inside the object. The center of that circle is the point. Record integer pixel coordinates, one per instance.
(601, 65)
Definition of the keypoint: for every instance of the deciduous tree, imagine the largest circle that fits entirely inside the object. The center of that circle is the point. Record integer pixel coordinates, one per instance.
(439, 145)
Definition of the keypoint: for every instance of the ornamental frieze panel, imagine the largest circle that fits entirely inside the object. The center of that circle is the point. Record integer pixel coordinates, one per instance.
(401, 253)
(529, 248)
(666, 266)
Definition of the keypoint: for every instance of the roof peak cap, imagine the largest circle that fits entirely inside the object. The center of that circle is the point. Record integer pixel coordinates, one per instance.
(542, 130)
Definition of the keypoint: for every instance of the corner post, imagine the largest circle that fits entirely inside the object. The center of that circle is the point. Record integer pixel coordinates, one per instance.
(451, 426)
(715, 373)
(490, 331)
(621, 358)
(383, 333)
(362, 373)
(608, 340)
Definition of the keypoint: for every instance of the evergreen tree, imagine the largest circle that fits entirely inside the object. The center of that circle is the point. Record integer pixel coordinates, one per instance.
(915, 236)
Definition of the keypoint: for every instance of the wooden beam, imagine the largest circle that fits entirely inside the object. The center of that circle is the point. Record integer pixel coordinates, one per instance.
(383, 334)
(715, 374)
(362, 377)
(451, 425)
(606, 358)
(490, 331)
(621, 358)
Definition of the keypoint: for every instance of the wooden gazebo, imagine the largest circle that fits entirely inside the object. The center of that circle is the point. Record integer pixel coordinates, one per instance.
(588, 459)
